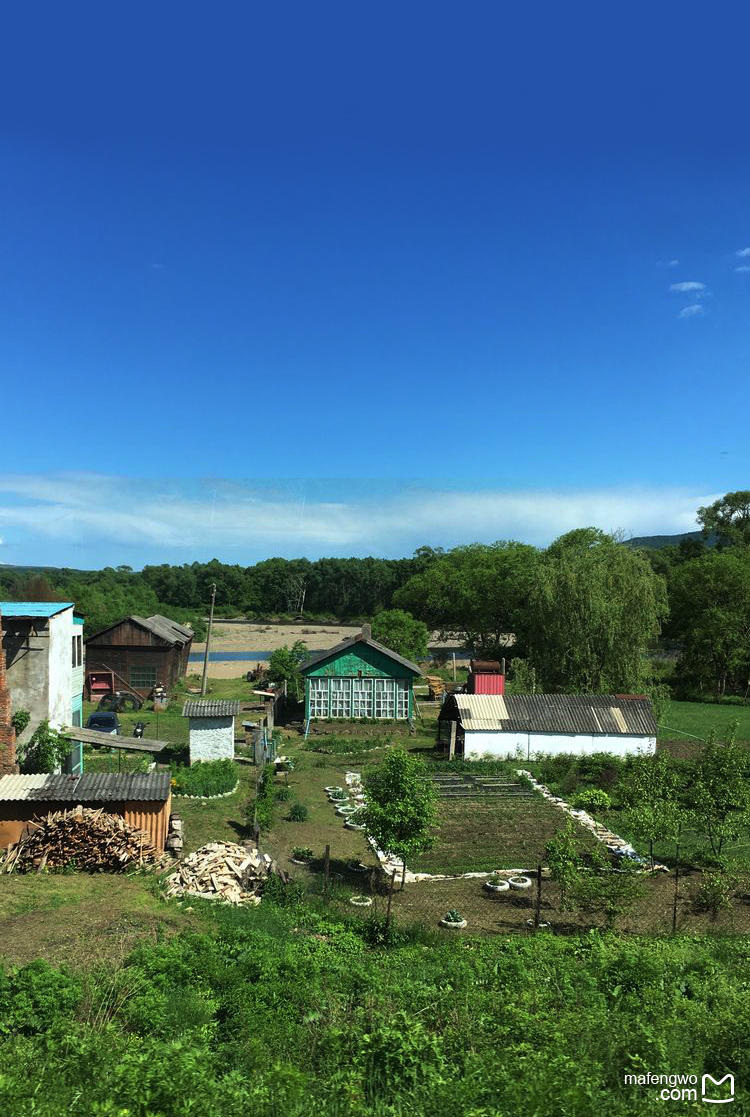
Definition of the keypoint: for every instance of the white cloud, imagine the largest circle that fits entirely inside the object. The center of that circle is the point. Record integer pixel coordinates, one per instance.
(667, 263)
(182, 521)
(743, 267)
(673, 264)
(743, 252)
(689, 287)
(695, 311)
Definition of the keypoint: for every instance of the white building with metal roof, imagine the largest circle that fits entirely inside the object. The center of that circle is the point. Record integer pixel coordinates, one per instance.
(211, 725)
(530, 725)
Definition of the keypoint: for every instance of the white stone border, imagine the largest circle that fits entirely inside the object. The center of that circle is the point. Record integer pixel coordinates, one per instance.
(208, 798)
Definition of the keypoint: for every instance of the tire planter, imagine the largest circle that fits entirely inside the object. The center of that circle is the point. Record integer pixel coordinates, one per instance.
(450, 926)
(500, 886)
(298, 861)
(361, 901)
(357, 867)
(520, 884)
(345, 811)
(332, 788)
(353, 825)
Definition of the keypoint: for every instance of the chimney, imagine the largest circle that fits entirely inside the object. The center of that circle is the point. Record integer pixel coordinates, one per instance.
(8, 764)
(366, 632)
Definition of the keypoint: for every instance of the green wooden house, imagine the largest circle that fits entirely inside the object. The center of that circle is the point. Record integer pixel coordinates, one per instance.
(359, 678)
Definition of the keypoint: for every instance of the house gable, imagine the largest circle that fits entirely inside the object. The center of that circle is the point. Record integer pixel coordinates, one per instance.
(360, 657)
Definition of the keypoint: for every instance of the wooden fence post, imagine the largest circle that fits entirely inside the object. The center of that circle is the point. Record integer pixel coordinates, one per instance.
(452, 745)
(538, 905)
(676, 878)
(327, 875)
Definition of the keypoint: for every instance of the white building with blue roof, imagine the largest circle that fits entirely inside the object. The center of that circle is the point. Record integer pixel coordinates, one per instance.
(43, 642)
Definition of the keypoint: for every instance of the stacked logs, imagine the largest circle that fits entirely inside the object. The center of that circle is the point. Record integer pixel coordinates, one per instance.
(90, 840)
(222, 871)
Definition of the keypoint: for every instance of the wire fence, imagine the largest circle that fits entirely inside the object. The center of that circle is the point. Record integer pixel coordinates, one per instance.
(683, 900)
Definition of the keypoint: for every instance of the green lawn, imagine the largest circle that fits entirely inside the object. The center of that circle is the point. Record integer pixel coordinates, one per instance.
(699, 718)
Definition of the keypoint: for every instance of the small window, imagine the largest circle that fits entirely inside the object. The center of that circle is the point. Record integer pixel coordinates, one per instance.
(142, 677)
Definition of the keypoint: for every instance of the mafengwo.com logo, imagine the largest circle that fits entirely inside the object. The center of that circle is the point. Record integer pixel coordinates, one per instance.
(684, 1087)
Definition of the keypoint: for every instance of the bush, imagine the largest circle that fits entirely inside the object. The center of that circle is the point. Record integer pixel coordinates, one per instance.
(302, 853)
(282, 794)
(715, 892)
(285, 894)
(206, 778)
(297, 813)
(592, 800)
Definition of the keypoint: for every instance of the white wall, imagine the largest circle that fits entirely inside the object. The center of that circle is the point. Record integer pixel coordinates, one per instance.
(211, 738)
(61, 669)
(477, 743)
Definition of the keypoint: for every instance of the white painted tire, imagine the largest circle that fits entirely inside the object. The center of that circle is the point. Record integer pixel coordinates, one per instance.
(520, 884)
(361, 901)
(453, 926)
(353, 826)
(501, 886)
(345, 811)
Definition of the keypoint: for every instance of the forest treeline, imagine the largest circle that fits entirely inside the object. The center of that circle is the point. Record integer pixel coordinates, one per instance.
(587, 613)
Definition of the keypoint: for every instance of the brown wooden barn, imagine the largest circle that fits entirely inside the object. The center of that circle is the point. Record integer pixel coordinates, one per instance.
(137, 653)
(143, 800)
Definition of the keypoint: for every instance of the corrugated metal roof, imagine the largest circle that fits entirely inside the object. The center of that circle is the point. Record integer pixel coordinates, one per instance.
(18, 787)
(349, 643)
(91, 787)
(211, 709)
(33, 608)
(179, 632)
(612, 714)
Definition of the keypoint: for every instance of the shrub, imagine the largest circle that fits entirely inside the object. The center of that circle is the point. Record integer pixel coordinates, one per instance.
(20, 720)
(715, 892)
(282, 794)
(594, 799)
(206, 778)
(297, 813)
(285, 894)
(302, 853)
(453, 916)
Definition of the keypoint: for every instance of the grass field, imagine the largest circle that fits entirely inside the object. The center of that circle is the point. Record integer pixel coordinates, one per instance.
(699, 718)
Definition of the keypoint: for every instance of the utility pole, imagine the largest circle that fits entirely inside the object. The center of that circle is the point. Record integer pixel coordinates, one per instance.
(208, 639)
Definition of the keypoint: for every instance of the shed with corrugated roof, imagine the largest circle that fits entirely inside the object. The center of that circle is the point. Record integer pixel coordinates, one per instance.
(530, 725)
(211, 727)
(144, 800)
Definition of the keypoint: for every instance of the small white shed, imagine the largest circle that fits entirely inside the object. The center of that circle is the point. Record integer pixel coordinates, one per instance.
(211, 729)
(530, 725)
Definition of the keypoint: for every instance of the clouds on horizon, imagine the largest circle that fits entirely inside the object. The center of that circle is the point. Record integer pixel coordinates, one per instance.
(169, 520)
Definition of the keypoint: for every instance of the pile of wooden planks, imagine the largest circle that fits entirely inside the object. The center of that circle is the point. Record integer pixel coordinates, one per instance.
(90, 840)
(436, 687)
(222, 871)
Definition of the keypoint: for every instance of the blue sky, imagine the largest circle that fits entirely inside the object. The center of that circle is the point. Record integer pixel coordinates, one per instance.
(417, 241)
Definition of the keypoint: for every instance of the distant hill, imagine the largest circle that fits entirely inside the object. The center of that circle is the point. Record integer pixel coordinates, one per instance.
(656, 542)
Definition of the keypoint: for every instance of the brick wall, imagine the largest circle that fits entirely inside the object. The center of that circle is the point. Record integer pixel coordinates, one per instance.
(8, 764)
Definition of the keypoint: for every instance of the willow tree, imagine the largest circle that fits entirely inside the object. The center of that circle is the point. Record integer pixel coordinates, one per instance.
(594, 608)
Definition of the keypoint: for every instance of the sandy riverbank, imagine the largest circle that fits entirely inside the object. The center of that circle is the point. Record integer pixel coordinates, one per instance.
(243, 636)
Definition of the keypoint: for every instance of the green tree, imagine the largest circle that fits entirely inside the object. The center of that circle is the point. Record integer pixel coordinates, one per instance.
(283, 667)
(46, 749)
(710, 600)
(604, 891)
(651, 793)
(728, 519)
(564, 860)
(399, 631)
(594, 607)
(477, 592)
(401, 805)
(719, 793)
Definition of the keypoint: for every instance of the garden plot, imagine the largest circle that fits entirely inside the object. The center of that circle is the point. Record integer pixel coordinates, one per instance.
(464, 785)
(481, 832)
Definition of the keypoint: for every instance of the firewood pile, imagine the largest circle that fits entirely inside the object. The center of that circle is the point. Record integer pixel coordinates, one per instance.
(91, 840)
(222, 871)
(436, 687)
